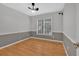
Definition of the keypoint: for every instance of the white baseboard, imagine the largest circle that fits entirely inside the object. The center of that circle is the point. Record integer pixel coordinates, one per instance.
(27, 39)
(34, 37)
(13, 33)
(48, 39)
(13, 43)
(65, 50)
(57, 31)
(54, 41)
(69, 38)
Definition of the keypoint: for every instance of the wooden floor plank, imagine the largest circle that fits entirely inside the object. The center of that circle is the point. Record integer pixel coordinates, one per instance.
(34, 47)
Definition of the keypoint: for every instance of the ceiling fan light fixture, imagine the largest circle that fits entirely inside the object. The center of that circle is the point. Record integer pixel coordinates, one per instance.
(33, 11)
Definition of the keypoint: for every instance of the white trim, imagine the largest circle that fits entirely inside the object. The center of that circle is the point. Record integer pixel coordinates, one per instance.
(13, 33)
(69, 38)
(35, 37)
(58, 31)
(14, 43)
(65, 50)
(27, 39)
(48, 39)
(54, 41)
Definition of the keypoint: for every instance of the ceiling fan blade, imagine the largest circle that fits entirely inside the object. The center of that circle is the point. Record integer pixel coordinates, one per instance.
(36, 9)
(29, 7)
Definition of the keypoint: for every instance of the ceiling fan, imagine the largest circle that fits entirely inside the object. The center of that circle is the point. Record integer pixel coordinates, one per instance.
(33, 7)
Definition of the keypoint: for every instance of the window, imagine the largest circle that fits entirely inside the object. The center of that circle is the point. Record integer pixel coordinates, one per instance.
(44, 26)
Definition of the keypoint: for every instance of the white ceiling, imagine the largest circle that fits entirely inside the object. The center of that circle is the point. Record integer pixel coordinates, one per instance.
(43, 7)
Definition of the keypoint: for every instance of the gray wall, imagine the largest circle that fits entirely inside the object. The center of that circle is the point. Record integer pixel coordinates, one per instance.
(12, 21)
(14, 37)
(71, 50)
(57, 25)
(56, 21)
(77, 25)
(69, 28)
(69, 21)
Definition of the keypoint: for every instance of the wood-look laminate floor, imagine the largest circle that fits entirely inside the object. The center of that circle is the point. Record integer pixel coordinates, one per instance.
(34, 47)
